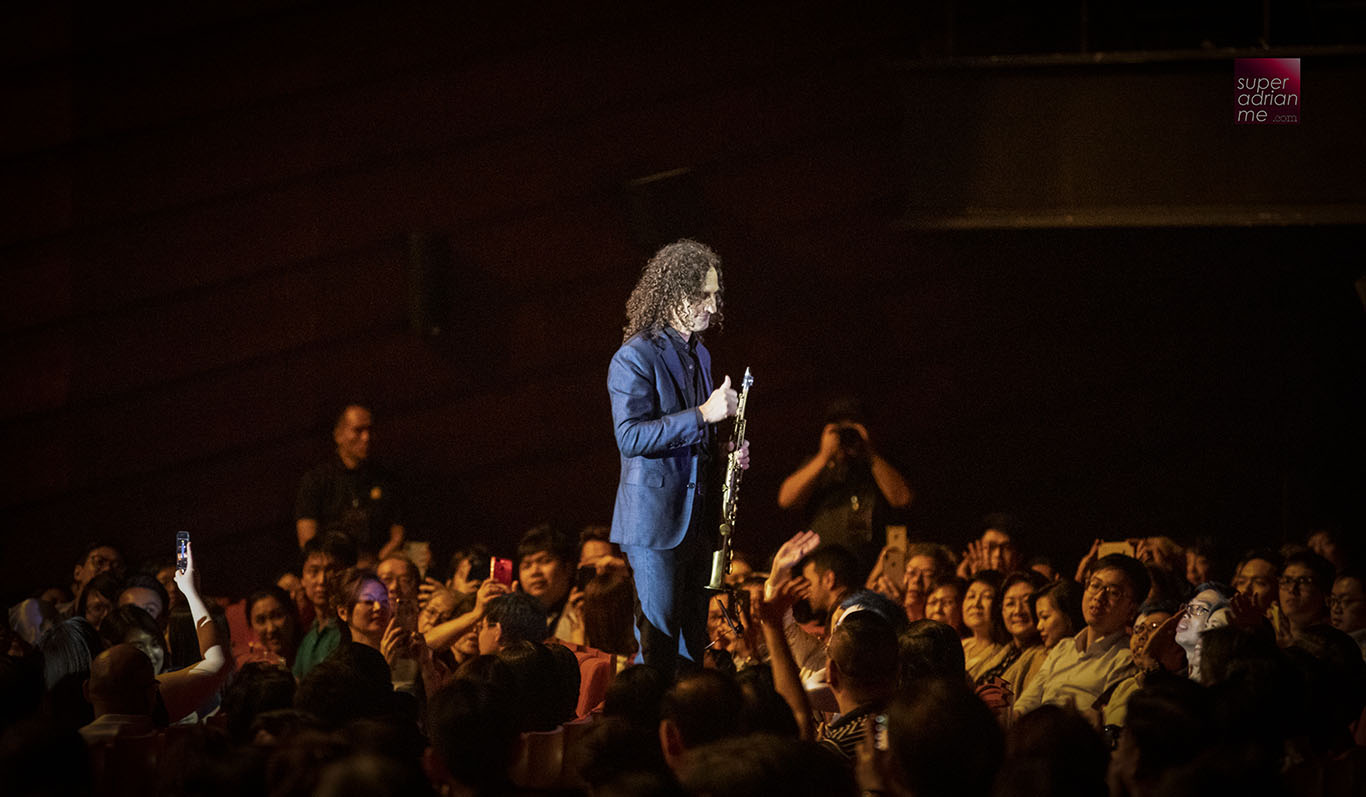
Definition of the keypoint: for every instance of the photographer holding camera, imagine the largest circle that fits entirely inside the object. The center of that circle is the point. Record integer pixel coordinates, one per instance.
(847, 487)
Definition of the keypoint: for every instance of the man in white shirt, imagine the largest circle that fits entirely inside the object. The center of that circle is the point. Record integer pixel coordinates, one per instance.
(1084, 669)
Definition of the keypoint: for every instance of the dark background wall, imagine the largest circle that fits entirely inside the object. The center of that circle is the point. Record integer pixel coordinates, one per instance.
(1066, 286)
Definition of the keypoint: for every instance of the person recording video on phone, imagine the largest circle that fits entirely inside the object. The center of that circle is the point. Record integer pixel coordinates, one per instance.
(665, 408)
(847, 487)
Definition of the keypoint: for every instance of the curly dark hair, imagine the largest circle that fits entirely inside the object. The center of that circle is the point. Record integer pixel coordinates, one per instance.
(674, 275)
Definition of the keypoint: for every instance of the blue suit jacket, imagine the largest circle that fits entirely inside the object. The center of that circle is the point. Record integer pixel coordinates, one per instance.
(656, 431)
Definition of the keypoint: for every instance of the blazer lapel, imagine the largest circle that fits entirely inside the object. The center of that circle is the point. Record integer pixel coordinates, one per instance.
(673, 365)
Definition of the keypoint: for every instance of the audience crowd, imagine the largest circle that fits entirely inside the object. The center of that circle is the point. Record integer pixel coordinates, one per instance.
(1149, 668)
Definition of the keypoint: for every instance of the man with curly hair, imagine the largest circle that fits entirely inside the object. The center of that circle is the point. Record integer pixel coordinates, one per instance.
(664, 409)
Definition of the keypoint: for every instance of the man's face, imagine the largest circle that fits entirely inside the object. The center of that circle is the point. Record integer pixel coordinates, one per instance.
(716, 625)
(319, 570)
(1108, 603)
(1197, 568)
(144, 599)
(819, 598)
(100, 560)
(397, 576)
(1257, 577)
(920, 574)
(1000, 551)
(439, 609)
(1347, 605)
(593, 550)
(1144, 626)
(1301, 599)
(1198, 612)
(944, 606)
(545, 577)
(695, 316)
(353, 435)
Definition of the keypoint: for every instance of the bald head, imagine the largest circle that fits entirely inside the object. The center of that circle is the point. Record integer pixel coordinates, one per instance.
(121, 682)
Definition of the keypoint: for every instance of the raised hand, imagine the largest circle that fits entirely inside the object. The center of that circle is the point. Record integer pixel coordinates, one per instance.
(721, 404)
(772, 609)
(792, 552)
(429, 589)
(1084, 566)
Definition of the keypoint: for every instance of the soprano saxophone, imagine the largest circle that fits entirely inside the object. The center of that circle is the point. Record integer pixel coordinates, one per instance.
(730, 494)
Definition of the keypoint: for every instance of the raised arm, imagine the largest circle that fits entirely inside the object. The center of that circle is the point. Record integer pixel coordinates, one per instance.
(787, 680)
(185, 690)
(444, 635)
(797, 488)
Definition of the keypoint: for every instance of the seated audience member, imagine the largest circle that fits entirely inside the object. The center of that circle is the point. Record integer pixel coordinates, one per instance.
(941, 740)
(258, 687)
(927, 564)
(67, 650)
(1208, 609)
(1305, 582)
(469, 568)
(1168, 724)
(1257, 574)
(928, 649)
(291, 584)
(361, 602)
(1330, 544)
(597, 549)
(987, 634)
(536, 699)
(472, 739)
(373, 775)
(830, 572)
(122, 691)
(511, 618)
(401, 577)
(609, 613)
(546, 564)
(765, 764)
(1019, 658)
(1043, 566)
(1058, 609)
(95, 558)
(131, 625)
(945, 604)
(1149, 651)
(997, 548)
(1084, 668)
(351, 684)
(701, 707)
(1205, 561)
(99, 597)
(1335, 694)
(194, 686)
(1347, 605)
(325, 556)
(1053, 750)
(147, 593)
(271, 612)
(862, 675)
(29, 620)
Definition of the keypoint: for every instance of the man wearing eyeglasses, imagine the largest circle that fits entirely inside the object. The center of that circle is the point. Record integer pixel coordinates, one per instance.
(1081, 670)
(1304, 585)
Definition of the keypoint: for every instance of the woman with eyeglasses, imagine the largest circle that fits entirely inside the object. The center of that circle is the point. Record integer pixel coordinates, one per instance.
(1006, 675)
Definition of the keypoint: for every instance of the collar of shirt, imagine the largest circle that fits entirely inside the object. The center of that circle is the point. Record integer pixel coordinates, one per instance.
(676, 338)
(1101, 646)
